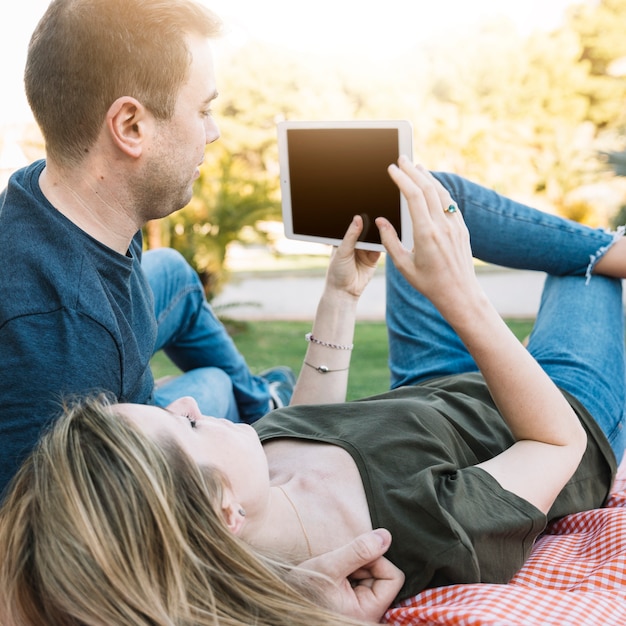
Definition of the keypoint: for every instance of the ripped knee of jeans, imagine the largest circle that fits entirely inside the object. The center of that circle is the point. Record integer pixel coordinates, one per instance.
(594, 258)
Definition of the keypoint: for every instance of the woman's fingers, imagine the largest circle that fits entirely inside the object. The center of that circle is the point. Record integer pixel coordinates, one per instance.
(441, 241)
(350, 270)
(437, 197)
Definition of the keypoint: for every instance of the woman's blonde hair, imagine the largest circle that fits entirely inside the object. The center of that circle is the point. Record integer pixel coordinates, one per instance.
(104, 526)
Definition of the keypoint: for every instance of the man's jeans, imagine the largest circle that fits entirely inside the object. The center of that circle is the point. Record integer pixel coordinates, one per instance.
(214, 372)
(578, 337)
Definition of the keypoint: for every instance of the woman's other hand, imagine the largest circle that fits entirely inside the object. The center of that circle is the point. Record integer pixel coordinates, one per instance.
(351, 269)
(362, 583)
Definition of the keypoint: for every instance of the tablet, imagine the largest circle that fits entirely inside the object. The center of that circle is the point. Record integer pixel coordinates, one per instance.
(331, 171)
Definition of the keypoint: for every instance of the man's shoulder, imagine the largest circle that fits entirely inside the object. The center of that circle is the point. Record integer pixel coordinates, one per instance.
(28, 224)
(21, 186)
(46, 262)
(38, 273)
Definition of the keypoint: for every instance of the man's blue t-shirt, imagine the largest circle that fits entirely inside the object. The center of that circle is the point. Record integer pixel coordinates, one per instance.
(75, 317)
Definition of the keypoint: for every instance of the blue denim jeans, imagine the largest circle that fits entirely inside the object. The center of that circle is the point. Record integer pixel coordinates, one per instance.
(578, 336)
(214, 372)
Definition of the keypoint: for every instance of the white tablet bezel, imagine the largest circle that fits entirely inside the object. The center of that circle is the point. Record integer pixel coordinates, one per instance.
(405, 143)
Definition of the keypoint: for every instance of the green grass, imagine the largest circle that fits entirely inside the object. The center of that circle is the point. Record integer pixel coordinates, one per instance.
(265, 344)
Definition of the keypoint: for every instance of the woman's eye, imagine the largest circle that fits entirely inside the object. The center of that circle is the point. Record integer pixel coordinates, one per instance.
(192, 421)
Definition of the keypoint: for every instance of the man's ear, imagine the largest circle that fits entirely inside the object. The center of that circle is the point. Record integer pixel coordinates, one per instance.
(128, 121)
(233, 512)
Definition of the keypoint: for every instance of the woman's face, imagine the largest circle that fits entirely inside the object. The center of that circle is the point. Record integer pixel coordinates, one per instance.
(232, 448)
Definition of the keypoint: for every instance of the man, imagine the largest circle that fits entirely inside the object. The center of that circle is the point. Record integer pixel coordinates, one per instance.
(122, 92)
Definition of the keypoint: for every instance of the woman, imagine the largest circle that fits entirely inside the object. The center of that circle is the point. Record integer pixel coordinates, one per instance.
(165, 516)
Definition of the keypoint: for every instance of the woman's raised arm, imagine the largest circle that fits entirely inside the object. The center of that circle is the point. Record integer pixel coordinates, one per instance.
(324, 374)
(550, 438)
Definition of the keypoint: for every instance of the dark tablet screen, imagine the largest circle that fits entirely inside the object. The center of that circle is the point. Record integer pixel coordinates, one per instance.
(336, 173)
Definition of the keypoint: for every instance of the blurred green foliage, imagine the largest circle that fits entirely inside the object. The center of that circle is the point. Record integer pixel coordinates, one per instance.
(530, 116)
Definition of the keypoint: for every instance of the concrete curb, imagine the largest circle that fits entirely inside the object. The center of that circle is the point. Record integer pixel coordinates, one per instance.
(294, 296)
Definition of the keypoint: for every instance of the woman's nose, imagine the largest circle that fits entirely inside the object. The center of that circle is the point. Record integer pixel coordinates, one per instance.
(185, 406)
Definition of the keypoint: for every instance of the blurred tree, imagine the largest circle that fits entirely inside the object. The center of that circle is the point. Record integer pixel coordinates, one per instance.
(617, 161)
(527, 116)
(229, 196)
(513, 111)
(600, 26)
(238, 185)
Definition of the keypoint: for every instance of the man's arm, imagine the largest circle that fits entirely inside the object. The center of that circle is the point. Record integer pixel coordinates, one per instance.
(44, 358)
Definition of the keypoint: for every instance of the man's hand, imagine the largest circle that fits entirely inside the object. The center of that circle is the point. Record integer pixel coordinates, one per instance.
(363, 582)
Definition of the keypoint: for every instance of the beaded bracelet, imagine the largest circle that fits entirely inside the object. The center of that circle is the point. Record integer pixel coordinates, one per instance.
(324, 369)
(336, 346)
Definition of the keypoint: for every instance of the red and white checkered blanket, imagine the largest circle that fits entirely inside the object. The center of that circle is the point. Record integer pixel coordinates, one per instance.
(576, 576)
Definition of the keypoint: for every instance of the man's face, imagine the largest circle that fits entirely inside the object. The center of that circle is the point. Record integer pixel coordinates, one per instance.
(177, 148)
